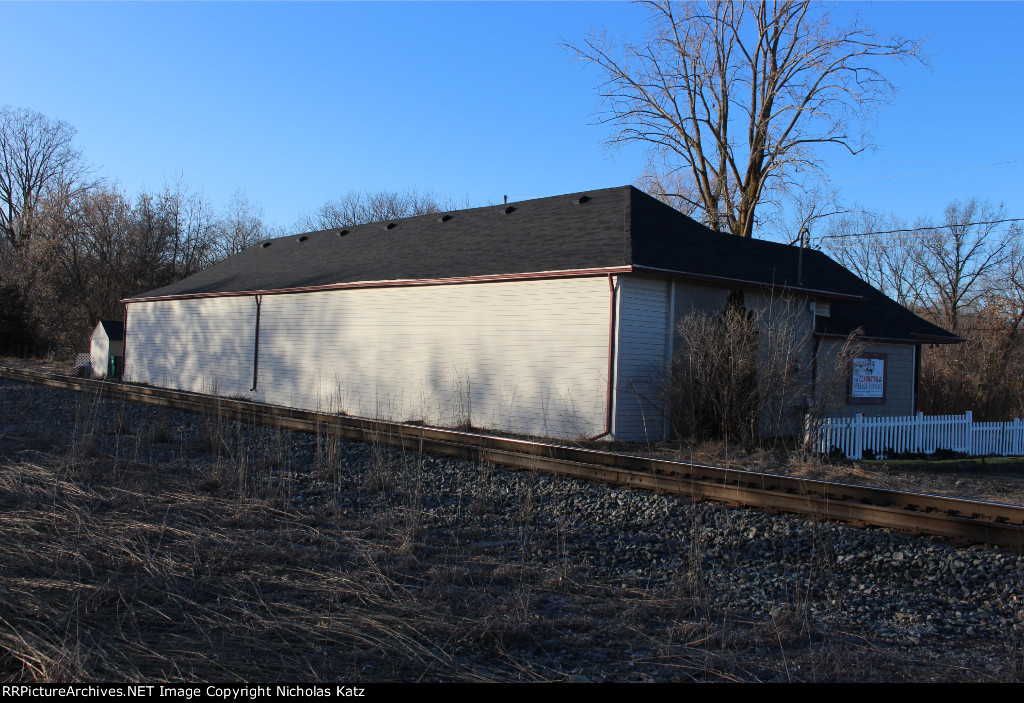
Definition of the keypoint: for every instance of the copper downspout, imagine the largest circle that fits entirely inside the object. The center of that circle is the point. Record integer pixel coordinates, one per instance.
(124, 344)
(256, 344)
(611, 360)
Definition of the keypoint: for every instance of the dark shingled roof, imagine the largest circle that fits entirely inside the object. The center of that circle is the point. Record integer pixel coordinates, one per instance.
(114, 330)
(614, 227)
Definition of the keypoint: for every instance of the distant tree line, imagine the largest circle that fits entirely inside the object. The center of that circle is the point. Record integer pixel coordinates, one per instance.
(964, 273)
(73, 245)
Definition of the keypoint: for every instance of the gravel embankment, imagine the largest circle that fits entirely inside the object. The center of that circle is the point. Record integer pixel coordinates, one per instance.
(849, 603)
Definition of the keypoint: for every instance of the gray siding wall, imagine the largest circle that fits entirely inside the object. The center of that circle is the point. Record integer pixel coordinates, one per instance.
(833, 380)
(642, 337)
(528, 357)
(783, 321)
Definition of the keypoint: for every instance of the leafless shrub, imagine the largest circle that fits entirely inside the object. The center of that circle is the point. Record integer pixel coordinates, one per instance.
(830, 383)
(753, 376)
(742, 373)
(983, 374)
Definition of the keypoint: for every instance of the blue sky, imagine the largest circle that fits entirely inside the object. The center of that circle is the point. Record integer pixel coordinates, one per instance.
(295, 103)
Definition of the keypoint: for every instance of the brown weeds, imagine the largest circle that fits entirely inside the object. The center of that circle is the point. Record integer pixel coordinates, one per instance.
(224, 563)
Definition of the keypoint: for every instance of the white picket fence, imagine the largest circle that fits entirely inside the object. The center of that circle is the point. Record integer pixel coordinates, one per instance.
(916, 433)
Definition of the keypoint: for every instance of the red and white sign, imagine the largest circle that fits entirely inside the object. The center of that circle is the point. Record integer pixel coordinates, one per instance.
(868, 379)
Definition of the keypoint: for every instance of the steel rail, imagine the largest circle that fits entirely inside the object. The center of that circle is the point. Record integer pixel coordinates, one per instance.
(953, 518)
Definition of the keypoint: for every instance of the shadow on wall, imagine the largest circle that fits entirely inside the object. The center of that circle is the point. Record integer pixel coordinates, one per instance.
(192, 345)
(336, 352)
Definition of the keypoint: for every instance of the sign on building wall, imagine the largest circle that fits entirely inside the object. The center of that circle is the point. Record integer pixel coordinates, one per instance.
(867, 378)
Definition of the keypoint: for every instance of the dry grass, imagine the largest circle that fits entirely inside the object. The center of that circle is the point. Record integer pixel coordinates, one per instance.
(210, 564)
(115, 570)
(125, 571)
(106, 581)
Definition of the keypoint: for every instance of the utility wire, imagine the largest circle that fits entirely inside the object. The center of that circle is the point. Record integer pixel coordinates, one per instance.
(925, 173)
(883, 238)
(915, 230)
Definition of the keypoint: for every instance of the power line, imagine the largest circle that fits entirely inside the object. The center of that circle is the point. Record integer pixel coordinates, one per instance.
(925, 173)
(905, 237)
(918, 230)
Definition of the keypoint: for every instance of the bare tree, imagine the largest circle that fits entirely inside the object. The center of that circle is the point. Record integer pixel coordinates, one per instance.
(240, 227)
(956, 260)
(1009, 297)
(37, 162)
(357, 207)
(670, 186)
(735, 97)
(967, 275)
(181, 228)
(883, 252)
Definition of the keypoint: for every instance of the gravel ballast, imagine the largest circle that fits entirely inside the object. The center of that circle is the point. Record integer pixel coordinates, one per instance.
(591, 582)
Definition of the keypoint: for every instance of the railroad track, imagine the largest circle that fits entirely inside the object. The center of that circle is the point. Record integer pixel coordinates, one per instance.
(953, 518)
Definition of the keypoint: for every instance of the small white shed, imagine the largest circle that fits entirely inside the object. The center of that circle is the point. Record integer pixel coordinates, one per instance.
(106, 352)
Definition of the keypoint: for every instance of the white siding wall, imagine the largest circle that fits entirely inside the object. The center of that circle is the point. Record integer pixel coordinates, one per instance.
(641, 357)
(99, 353)
(520, 356)
(203, 345)
(101, 349)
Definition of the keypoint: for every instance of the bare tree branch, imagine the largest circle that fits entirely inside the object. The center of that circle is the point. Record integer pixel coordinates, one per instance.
(37, 162)
(737, 97)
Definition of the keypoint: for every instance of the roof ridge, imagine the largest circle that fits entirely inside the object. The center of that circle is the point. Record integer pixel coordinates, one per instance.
(518, 203)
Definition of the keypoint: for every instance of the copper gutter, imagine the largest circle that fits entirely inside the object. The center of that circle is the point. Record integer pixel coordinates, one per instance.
(124, 344)
(397, 283)
(534, 275)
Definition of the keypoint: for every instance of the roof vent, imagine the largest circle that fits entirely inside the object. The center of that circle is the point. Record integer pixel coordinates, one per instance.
(266, 244)
(342, 233)
(444, 218)
(390, 225)
(507, 210)
(303, 238)
(582, 199)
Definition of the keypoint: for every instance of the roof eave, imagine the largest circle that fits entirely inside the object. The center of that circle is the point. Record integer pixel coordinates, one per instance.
(725, 281)
(488, 278)
(914, 338)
